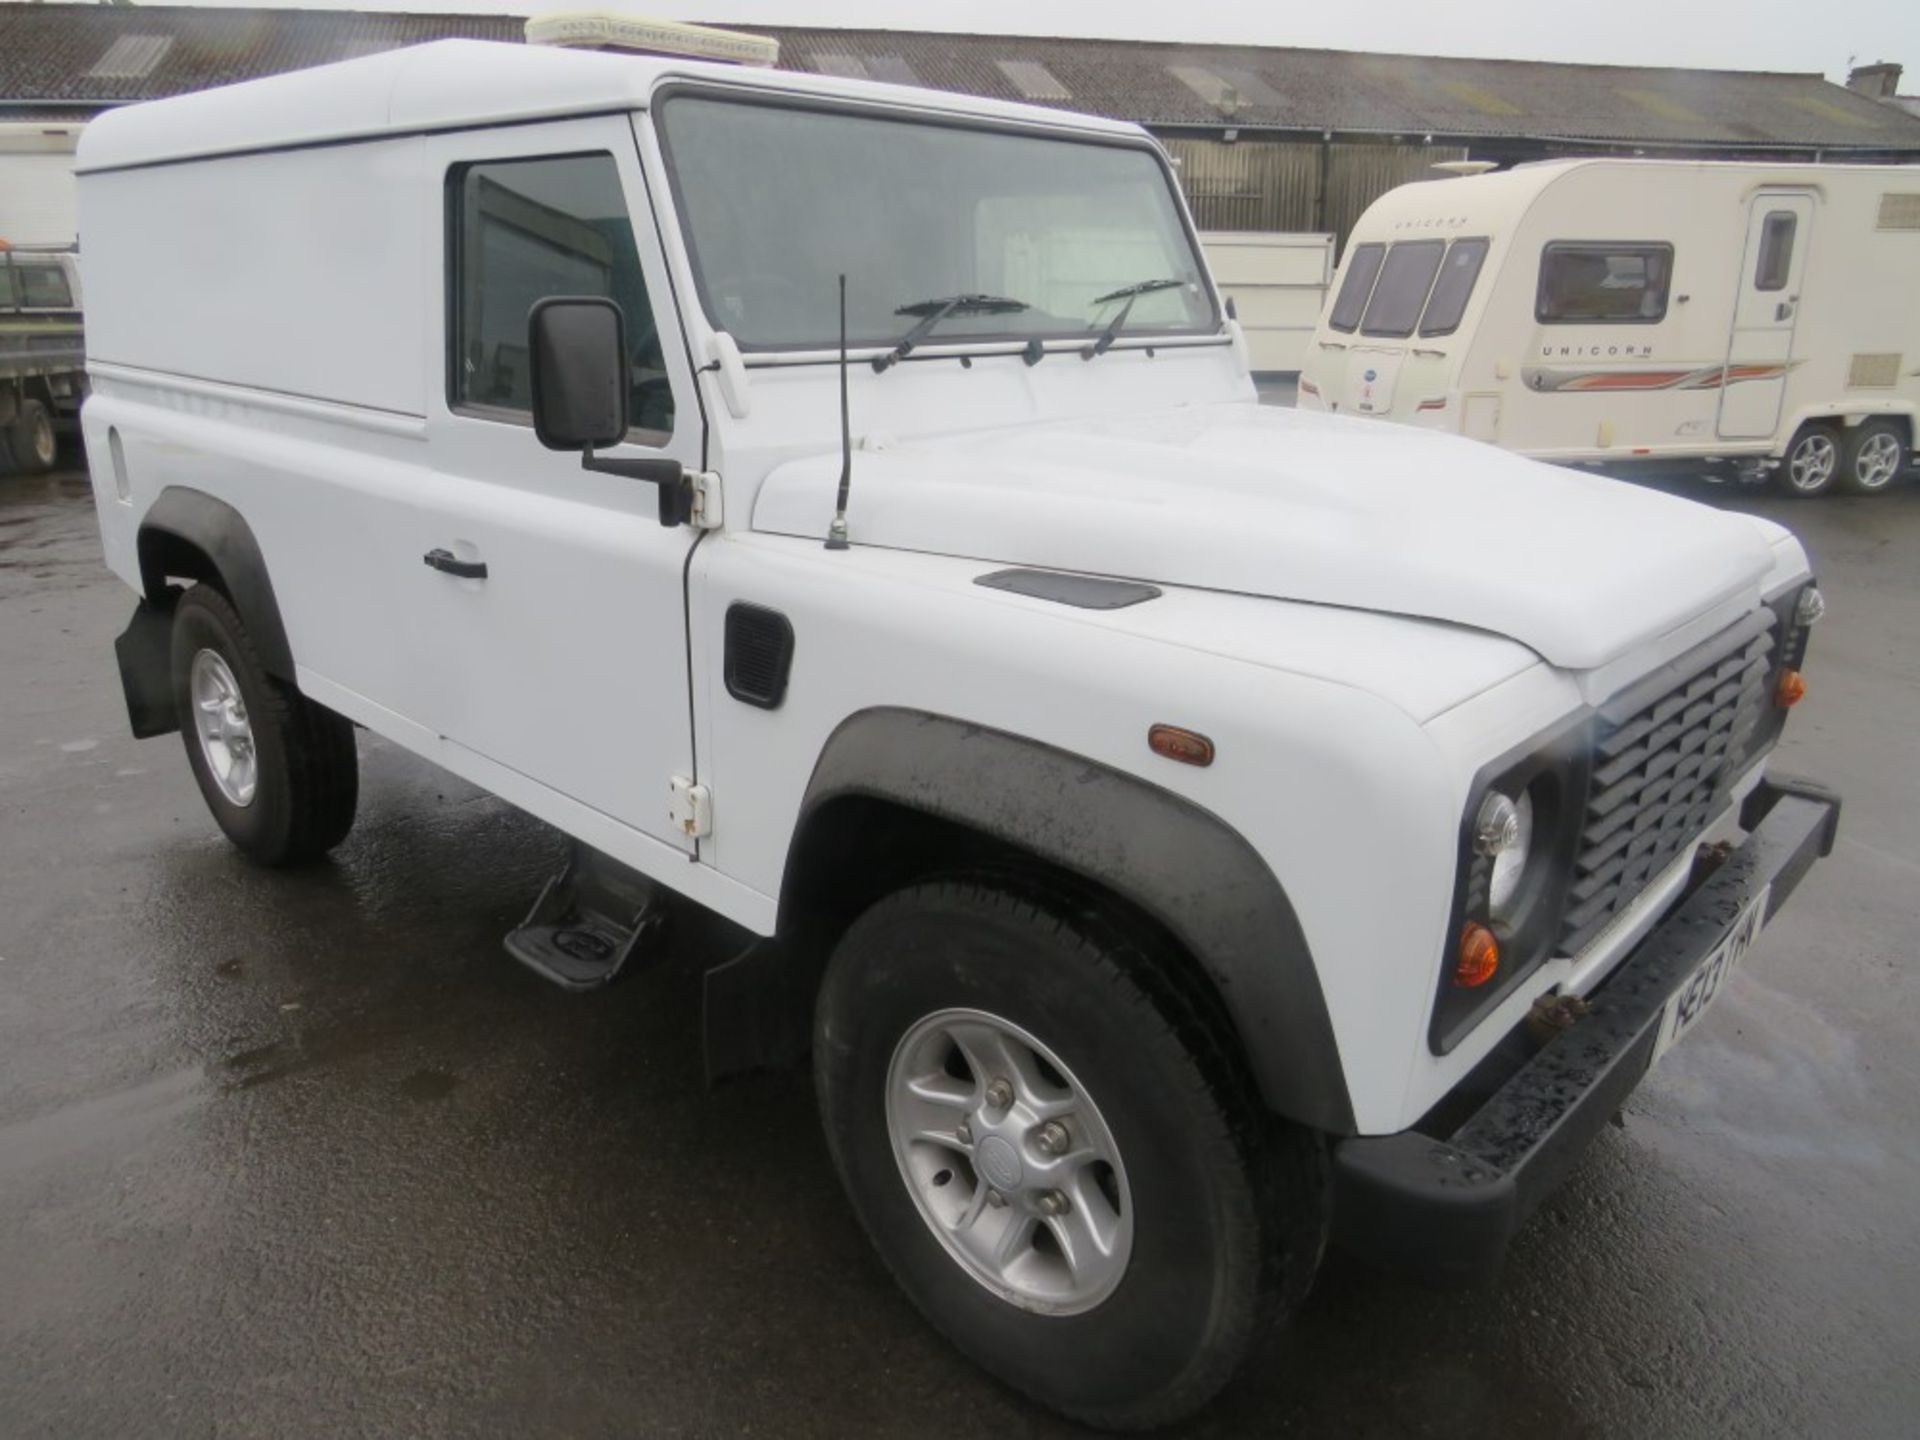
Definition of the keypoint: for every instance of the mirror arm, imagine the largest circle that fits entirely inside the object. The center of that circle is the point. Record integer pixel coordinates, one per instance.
(676, 489)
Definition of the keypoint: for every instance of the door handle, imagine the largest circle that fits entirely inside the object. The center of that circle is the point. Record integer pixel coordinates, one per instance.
(1783, 311)
(452, 564)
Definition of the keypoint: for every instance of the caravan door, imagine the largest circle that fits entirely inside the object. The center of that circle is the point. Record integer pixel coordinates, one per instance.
(1766, 311)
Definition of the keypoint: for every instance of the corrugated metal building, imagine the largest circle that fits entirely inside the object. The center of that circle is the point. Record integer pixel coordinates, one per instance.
(1279, 150)
(1269, 138)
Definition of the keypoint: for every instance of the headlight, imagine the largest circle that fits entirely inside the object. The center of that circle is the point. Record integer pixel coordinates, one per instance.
(1518, 842)
(1510, 861)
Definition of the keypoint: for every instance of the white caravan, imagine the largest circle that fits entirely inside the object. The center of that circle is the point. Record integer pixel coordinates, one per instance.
(1159, 814)
(1639, 313)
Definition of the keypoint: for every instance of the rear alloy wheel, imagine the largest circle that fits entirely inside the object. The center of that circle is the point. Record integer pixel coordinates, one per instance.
(279, 773)
(31, 439)
(1813, 461)
(1876, 454)
(1055, 1150)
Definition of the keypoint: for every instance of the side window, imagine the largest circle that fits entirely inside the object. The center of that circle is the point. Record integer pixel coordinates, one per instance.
(1603, 283)
(1363, 267)
(521, 230)
(1454, 287)
(1776, 250)
(44, 287)
(9, 295)
(1402, 292)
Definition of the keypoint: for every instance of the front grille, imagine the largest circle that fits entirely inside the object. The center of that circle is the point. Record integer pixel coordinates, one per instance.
(1666, 750)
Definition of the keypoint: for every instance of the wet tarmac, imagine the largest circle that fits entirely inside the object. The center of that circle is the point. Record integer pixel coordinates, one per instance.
(306, 1155)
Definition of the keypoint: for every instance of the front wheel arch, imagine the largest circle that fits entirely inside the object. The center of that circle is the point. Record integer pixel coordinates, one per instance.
(1117, 838)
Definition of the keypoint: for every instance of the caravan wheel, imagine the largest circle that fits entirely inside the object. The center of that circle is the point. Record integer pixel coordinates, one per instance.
(1813, 460)
(1876, 454)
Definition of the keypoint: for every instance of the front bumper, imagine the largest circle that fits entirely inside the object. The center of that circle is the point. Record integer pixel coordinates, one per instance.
(1444, 1208)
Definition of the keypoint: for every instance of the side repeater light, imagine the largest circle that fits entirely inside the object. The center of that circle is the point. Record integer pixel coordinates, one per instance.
(1186, 746)
(1791, 690)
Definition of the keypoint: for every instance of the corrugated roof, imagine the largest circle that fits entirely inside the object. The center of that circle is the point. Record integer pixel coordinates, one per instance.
(51, 52)
(1167, 85)
(46, 52)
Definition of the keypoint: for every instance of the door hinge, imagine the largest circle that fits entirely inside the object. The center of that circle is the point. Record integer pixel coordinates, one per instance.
(706, 499)
(692, 809)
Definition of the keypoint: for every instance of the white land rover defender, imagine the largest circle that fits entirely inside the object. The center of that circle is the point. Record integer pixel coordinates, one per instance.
(1182, 831)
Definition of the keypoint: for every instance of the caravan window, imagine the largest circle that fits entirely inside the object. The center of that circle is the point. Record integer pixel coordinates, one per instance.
(1363, 267)
(1776, 250)
(1603, 283)
(521, 230)
(1454, 287)
(1401, 293)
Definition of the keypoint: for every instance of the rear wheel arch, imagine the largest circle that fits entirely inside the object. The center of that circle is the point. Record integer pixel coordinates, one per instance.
(898, 795)
(188, 534)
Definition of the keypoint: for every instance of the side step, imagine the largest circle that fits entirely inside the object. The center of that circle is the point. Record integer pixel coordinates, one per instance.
(591, 921)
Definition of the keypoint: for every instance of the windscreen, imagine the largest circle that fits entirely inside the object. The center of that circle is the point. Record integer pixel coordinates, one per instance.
(1363, 268)
(1453, 288)
(777, 202)
(1401, 293)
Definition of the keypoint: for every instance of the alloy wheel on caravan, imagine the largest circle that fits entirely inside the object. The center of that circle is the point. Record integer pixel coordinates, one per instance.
(1876, 454)
(1813, 461)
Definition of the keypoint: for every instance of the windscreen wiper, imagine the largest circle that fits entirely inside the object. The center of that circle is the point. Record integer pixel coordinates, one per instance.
(1128, 293)
(932, 312)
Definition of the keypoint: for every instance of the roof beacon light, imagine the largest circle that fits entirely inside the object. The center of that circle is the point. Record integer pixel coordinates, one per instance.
(639, 35)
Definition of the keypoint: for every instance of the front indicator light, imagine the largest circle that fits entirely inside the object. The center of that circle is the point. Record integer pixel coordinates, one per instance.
(1478, 957)
(1791, 690)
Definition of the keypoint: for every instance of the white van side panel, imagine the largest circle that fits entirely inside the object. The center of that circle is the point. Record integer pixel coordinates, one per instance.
(347, 220)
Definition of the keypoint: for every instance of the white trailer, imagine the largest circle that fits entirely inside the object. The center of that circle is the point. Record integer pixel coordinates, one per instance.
(1642, 312)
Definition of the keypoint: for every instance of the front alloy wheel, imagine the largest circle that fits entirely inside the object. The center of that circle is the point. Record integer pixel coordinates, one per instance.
(1010, 1162)
(1049, 1138)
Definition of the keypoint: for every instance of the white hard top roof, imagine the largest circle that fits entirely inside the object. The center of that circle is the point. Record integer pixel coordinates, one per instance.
(454, 84)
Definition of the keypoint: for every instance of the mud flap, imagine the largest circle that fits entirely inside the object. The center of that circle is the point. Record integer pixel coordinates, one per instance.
(145, 652)
(756, 1011)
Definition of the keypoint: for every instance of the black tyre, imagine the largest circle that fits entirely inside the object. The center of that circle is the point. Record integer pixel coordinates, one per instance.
(1148, 1236)
(1812, 462)
(279, 773)
(30, 439)
(1876, 456)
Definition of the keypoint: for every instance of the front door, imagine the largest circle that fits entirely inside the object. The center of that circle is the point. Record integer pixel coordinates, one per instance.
(1765, 313)
(564, 669)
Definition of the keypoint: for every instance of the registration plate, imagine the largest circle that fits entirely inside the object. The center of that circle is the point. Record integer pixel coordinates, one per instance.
(1700, 989)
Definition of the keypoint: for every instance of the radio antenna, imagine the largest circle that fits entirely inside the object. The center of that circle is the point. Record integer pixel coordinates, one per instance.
(837, 531)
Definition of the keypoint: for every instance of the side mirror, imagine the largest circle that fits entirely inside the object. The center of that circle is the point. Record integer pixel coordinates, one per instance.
(577, 350)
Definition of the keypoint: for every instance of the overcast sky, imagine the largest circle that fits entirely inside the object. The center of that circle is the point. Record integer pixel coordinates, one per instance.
(1723, 34)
